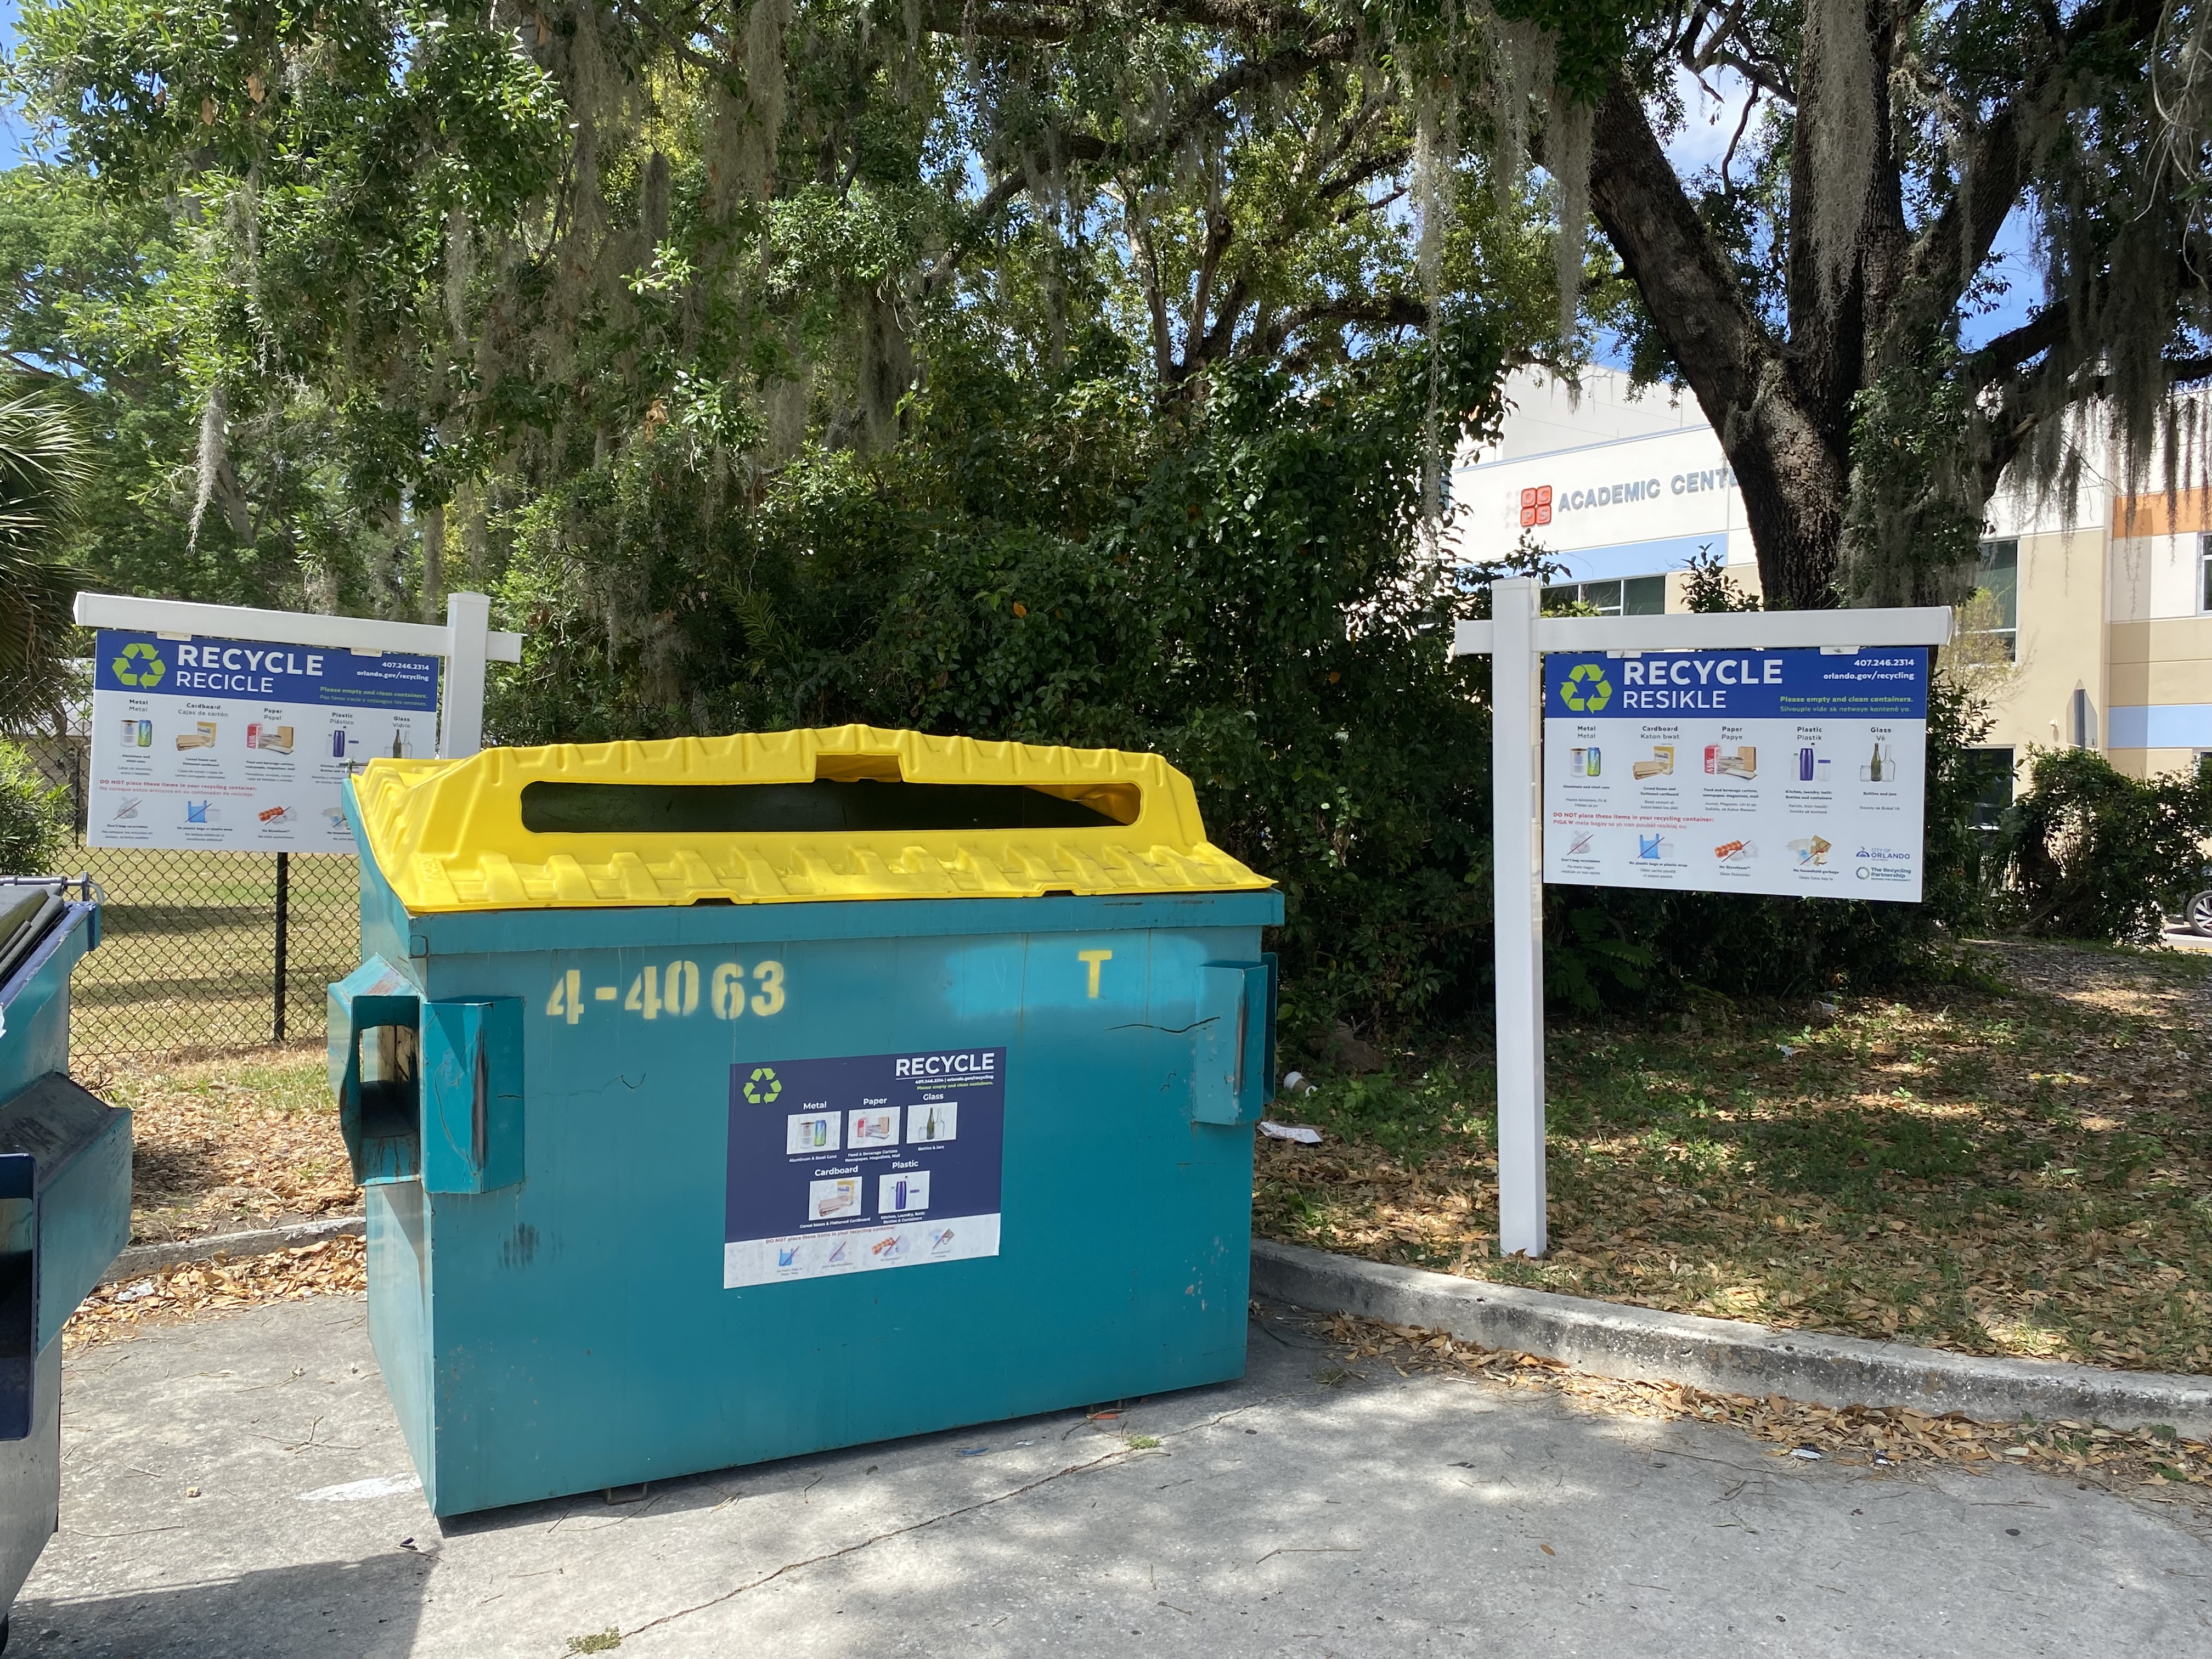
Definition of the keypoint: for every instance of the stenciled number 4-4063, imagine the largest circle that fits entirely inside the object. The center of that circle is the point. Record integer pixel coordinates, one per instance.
(655, 991)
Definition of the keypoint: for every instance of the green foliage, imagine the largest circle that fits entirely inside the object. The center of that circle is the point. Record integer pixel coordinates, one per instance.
(1709, 588)
(34, 819)
(2098, 855)
(375, 299)
(42, 466)
(1068, 376)
(1246, 589)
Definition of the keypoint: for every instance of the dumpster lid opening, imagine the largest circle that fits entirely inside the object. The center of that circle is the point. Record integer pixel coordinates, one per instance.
(848, 812)
(824, 806)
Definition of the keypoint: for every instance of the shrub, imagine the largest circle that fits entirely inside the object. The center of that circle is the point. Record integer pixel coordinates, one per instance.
(34, 818)
(2096, 854)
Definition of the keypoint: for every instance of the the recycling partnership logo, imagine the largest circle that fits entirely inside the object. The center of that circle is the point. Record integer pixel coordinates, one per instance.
(1586, 690)
(763, 1086)
(140, 665)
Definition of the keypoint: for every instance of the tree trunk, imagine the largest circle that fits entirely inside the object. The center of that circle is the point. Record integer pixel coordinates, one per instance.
(1793, 468)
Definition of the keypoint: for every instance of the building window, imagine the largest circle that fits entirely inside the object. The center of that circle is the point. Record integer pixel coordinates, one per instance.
(1635, 596)
(1994, 611)
(2204, 571)
(1990, 770)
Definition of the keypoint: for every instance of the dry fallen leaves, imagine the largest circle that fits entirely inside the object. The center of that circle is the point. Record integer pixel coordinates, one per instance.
(227, 1143)
(333, 1266)
(1878, 1438)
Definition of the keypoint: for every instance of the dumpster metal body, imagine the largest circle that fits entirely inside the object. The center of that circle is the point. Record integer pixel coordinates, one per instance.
(65, 1201)
(659, 1188)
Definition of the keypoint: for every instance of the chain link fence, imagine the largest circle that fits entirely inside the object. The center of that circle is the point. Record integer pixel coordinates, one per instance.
(203, 950)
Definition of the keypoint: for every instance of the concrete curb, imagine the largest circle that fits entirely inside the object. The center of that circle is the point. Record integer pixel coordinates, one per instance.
(142, 1259)
(1727, 1356)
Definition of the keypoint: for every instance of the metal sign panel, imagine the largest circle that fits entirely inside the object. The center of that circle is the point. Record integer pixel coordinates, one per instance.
(1800, 772)
(846, 1166)
(243, 744)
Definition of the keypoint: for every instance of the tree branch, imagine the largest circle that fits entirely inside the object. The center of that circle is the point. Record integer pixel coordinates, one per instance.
(1219, 228)
(1148, 274)
(1948, 252)
(1375, 310)
(1684, 274)
(2005, 354)
(1202, 107)
(1047, 23)
(683, 51)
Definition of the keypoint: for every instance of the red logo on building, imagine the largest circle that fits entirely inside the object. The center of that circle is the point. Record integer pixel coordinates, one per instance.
(1536, 506)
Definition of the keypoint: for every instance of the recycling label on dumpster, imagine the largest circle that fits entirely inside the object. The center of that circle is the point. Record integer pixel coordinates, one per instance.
(862, 1162)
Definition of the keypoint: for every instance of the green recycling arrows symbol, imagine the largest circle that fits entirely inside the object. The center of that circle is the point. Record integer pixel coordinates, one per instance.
(763, 1086)
(1587, 689)
(139, 665)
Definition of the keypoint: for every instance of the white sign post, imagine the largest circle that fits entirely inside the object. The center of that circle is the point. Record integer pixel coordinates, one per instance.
(223, 727)
(1516, 639)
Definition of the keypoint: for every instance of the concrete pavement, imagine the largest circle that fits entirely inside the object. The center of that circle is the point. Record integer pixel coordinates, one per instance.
(1283, 1515)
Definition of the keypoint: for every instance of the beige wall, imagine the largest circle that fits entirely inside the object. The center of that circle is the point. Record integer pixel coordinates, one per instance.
(2151, 762)
(2169, 660)
(2166, 661)
(2062, 644)
(1745, 576)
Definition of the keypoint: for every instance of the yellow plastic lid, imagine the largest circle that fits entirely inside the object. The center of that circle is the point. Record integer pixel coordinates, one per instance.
(848, 812)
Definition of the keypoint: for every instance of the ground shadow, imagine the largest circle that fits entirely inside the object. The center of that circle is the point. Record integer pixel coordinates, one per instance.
(331, 1609)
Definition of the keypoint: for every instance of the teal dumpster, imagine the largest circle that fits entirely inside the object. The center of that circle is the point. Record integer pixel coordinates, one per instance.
(65, 1201)
(724, 1099)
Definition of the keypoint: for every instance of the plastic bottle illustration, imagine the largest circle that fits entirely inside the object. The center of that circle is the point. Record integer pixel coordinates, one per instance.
(1805, 766)
(898, 1196)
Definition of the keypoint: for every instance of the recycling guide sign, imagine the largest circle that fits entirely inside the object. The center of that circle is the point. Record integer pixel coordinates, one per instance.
(240, 743)
(1798, 771)
(863, 1161)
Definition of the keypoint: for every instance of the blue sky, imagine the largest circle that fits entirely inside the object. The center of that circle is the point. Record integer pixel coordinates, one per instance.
(12, 136)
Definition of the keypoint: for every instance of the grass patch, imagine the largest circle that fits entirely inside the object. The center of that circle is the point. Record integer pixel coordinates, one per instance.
(2018, 1163)
(188, 957)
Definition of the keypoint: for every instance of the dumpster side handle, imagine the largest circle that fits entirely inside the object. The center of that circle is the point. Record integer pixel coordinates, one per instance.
(1232, 1072)
(472, 1094)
